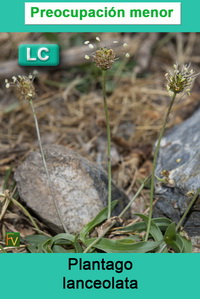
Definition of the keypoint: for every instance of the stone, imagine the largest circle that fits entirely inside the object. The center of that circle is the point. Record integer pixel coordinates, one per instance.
(180, 155)
(79, 187)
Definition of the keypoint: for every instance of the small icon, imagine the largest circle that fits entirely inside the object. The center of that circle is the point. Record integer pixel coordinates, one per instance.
(12, 239)
(38, 55)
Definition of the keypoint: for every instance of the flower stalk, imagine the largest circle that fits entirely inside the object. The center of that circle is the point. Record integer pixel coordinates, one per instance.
(45, 164)
(154, 165)
(108, 143)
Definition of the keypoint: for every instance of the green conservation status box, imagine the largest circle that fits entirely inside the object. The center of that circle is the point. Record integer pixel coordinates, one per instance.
(39, 55)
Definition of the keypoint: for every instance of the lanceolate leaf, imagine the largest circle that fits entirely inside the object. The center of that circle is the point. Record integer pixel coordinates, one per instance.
(96, 221)
(170, 234)
(154, 229)
(187, 245)
(176, 245)
(35, 242)
(62, 237)
(60, 249)
(180, 245)
(77, 245)
(116, 246)
(162, 223)
(46, 247)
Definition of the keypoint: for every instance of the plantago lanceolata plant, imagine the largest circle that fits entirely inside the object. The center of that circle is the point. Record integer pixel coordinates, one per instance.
(26, 91)
(178, 81)
(104, 58)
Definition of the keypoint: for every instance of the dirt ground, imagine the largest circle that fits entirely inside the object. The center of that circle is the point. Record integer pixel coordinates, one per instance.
(70, 111)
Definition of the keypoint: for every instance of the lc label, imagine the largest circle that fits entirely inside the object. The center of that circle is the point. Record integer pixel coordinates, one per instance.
(39, 55)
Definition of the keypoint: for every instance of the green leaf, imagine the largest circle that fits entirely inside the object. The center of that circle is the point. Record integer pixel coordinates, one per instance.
(63, 242)
(181, 245)
(139, 227)
(127, 241)
(68, 240)
(36, 239)
(46, 247)
(187, 245)
(170, 234)
(175, 241)
(34, 249)
(165, 249)
(77, 245)
(59, 249)
(176, 245)
(136, 238)
(162, 223)
(35, 242)
(64, 237)
(154, 229)
(116, 246)
(40, 243)
(96, 221)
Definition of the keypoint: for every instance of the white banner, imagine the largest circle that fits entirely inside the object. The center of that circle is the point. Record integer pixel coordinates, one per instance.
(102, 13)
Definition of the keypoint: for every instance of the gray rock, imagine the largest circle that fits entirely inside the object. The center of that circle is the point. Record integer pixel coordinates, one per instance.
(80, 188)
(180, 155)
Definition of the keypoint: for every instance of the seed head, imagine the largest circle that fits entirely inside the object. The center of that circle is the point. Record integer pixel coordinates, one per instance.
(24, 85)
(103, 57)
(180, 79)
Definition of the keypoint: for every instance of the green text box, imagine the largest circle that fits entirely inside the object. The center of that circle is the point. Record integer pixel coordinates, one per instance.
(38, 55)
(159, 275)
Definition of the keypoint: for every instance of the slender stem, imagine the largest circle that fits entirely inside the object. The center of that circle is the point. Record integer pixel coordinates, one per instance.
(39, 141)
(15, 202)
(120, 215)
(188, 209)
(154, 164)
(45, 165)
(108, 143)
(133, 198)
(4, 209)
